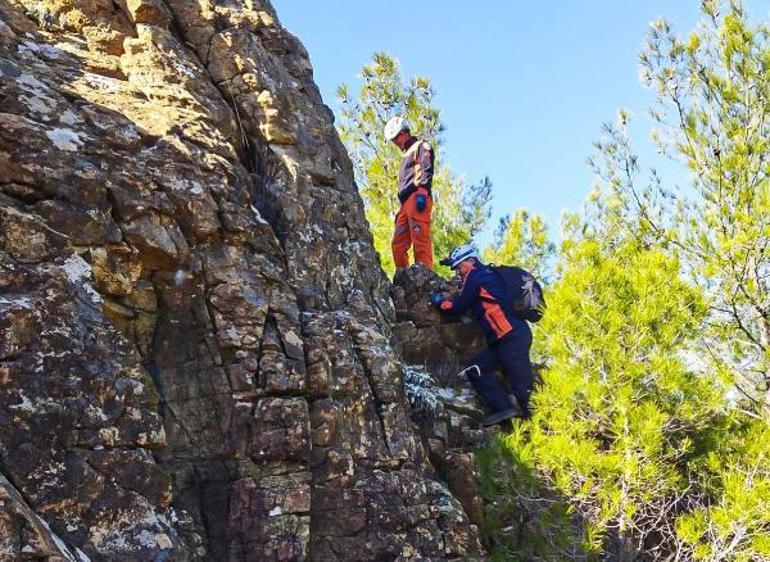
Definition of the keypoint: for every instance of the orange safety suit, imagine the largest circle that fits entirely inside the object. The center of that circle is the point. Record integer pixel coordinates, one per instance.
(412, 229)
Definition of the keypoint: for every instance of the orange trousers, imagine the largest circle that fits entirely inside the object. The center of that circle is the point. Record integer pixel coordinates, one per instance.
(413, 229)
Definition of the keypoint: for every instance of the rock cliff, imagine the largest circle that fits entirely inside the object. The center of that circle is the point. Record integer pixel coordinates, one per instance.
(196, 353)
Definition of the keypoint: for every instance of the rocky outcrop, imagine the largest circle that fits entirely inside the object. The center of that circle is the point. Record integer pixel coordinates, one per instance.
(195, 342)
(443, 345)
(446, 409)
(24, 535)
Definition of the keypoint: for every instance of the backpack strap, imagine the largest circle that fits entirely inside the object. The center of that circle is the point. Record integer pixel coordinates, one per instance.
(414, 150)
(493, 269)
(507, 305)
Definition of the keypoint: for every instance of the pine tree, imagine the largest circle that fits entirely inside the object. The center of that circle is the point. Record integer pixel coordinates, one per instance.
(713, 115)
(652, 420)
(732, 519)
(619, 402)
(522, 239)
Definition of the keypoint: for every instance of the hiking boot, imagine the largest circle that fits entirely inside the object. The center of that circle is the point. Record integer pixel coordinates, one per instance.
(497, 417)
(520, 412)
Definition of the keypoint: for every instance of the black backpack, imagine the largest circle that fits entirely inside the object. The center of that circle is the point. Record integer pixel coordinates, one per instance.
(524, 295)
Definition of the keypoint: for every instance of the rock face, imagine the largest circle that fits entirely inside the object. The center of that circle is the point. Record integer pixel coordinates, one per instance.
(196, 357)
(426, 338)
(445, 407)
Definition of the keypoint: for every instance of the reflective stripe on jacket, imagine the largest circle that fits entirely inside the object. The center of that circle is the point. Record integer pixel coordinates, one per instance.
(416, 169)
(483, 291)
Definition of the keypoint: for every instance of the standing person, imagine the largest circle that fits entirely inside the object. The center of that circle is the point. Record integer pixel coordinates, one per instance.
(415, 177)
(509, 337)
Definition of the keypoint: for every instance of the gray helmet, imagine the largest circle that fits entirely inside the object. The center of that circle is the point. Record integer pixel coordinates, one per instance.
(460, 254)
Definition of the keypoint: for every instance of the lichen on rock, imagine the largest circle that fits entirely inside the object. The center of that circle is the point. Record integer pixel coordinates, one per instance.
(196, 355)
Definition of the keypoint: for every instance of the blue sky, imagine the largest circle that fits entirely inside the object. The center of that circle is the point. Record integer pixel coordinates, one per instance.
(523, 87)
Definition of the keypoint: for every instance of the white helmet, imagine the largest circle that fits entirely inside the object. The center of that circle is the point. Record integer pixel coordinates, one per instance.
(394, 126)
(460, 254)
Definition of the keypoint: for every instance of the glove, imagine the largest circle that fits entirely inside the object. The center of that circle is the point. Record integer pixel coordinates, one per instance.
(422, 202)
(436, 299)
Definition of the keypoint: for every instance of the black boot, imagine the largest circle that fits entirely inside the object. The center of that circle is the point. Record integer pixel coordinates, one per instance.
(521, 412)
(497, 417)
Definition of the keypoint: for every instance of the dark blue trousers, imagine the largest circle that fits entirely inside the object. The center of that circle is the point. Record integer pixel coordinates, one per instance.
(511, 356)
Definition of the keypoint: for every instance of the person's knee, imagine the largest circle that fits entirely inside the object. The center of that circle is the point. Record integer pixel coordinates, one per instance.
(399, 247)
(516, 358)
(399, 234)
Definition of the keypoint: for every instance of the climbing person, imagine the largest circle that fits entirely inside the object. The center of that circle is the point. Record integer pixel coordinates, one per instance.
(415, 177)
(508, 335)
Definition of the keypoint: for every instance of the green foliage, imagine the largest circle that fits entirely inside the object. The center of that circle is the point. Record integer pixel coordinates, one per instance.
(618, 404)
(713, 114)
(660, 312)
(524, 520)
(522, 239)
(460, 210)
(619, 411)
(735, 524)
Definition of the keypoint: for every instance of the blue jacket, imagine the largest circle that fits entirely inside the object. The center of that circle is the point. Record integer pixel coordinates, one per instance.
(483, 291)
